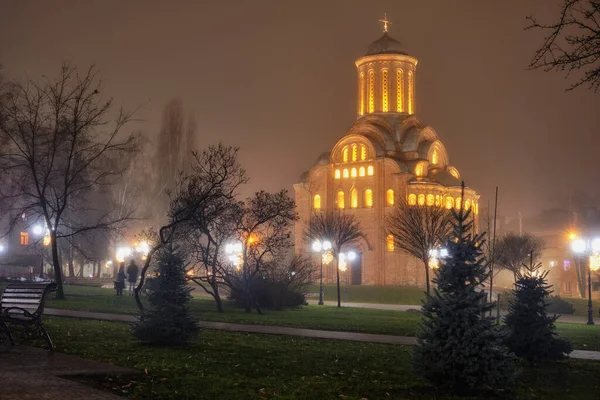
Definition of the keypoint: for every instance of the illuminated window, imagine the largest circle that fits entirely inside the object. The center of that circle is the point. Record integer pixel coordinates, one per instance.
(430, 200)
(361, 171)
(389, 242)
(421, 200)
(457, 203)
(340, 199)
(353, 198)
(449, 202)
(438, 200)
(338, 174)
(368, 198)
(24, 239)
(476, 207)
(353, 172)
(371, 91)
(370, 170)
(434, 157)
(389, 196)
(317, 202)
(410, 93)
(345, 175)
(419, 169)
(399, 90)
(467, 204)
(362, 93)
(384, 90)
(354, 152)
(363, 152)
(412, 199)
(345, 154)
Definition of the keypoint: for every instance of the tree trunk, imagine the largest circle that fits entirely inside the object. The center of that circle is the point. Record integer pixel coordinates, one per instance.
(217, 297)
(426, 262)
(58, 275)
(337, 276)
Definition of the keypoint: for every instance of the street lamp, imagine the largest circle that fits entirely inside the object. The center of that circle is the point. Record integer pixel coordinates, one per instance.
(234, 253)
(591, 249)
(322, 249)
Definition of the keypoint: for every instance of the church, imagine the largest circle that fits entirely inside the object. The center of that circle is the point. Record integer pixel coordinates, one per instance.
(386, 155)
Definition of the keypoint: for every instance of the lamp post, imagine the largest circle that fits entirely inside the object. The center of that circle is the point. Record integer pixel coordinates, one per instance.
(322, 249)
(590, 248)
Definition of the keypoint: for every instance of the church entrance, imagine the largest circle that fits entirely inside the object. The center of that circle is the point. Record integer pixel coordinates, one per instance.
(355, 269)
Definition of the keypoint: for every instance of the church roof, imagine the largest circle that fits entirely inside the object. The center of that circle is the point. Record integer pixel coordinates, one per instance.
(385, 45)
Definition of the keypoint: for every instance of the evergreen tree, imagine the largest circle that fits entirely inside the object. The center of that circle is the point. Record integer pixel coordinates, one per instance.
(532, 334)
(168, 320)
(459, 348)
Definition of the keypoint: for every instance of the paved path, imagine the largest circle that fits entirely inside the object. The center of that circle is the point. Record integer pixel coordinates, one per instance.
(281, 330)
(31, 373)
(571, 319)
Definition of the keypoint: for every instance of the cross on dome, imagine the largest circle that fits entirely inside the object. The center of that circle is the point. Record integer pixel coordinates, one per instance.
(385, 22)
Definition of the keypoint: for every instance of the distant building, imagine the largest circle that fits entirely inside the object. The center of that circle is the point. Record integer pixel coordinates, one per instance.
(386, 155)
(21, 252)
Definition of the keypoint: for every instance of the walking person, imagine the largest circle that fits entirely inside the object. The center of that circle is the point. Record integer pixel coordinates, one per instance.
(132, 275)
(120, 282)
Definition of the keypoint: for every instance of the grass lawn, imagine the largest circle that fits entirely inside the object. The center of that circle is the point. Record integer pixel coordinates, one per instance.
(372, 294)
(315, 317)
(231, 366)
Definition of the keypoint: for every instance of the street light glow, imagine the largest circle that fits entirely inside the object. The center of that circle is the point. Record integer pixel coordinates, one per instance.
(578, 246)
(326, 245)
(596, 245)
(316, 246)
(351, 256)
(122, 253)
(38, 230)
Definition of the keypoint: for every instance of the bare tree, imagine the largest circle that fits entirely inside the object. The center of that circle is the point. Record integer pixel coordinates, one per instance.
(419, 229)
(58, 136)
(341, 229)
(514, 250)
(572, 42)
(263, 228)
(210, 180)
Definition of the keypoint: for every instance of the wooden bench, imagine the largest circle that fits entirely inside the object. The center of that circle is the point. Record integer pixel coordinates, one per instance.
(22, 304)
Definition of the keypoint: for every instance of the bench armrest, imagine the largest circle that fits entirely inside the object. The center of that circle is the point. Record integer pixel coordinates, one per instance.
(6, 311)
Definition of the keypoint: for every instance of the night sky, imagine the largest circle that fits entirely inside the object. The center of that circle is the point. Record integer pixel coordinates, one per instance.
(277, 78)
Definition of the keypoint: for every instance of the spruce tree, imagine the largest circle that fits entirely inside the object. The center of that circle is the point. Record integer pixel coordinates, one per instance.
(532, 333)
(459, 348)
(168, 320)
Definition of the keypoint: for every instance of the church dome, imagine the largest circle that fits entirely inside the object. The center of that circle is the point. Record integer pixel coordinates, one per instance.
(385, 45)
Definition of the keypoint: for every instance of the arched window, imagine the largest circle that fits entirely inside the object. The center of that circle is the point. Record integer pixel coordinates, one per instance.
(419, 169)
(389, 196)
(338, 174)
(317, 202)
(361, 171)
(368, 198)
(399, 90)
(430, 200)
(354, 152)
(438, 200)
(340, 199)
(370, 170)
(421, 199)
(361, 95)
(384, 90)
(410, 93)
(371, 91)
(345, 174)
(353, 172)
(345, 154)
(412, 199)
(449, 202)
(389, 242)
(467, 204)
(363, 152)
(353, 198)
(457, 203)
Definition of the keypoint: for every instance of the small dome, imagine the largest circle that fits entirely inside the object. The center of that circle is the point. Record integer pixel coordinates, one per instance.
(385, 45)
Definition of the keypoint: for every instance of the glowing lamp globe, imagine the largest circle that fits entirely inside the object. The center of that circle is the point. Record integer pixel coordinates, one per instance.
(578, 246)
(316, 246)
(351, 256)
(327, 245)
(38, 230)
(596, 245)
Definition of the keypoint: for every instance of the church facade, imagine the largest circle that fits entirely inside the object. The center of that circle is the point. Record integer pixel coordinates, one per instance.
(386, 155)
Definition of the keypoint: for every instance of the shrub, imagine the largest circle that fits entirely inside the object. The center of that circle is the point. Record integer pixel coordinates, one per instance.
(558, 305)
